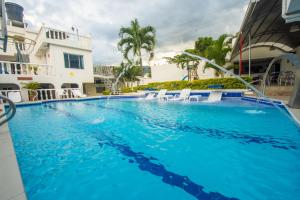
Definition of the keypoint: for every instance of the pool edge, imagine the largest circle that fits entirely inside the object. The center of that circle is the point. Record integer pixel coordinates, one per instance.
(12, 188)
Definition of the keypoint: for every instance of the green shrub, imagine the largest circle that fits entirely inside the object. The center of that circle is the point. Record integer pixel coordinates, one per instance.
(229, 83)
(106, 92)
(128, 89)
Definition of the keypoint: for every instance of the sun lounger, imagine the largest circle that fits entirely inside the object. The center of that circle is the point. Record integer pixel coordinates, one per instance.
(214, 96)
(150, 96)
(183, 96)
(61, 93)
(14, 96)
(77, 93)
(162, 94)
(195, 98)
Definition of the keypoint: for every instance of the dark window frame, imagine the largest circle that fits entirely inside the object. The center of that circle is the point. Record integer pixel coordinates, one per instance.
(70, 61)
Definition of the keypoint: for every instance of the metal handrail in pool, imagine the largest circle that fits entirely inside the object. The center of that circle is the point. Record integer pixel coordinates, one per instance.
(9, 113)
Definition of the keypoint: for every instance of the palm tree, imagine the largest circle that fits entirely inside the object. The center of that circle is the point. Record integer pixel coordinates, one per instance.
(129, 74)
(134, 39)
(217, 52)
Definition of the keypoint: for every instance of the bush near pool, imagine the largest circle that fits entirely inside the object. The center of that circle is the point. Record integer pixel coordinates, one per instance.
(228, 83)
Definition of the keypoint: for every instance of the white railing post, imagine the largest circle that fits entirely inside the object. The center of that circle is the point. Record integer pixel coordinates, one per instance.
(1, 68)
(9, 68)
(50, 91)
(27, 69)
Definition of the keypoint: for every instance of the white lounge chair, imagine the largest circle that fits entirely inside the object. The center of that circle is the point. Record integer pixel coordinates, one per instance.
(183, 96)
(214, 96)
(61, 93)
(195, 98)
(14, 96)
(77, 93)
(150, 96)
(161, 94)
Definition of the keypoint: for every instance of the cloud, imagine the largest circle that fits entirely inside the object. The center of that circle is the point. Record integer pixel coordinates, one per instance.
(178, 23)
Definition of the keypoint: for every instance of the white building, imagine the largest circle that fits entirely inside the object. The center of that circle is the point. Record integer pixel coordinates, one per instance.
(162, 71)
(54, 58)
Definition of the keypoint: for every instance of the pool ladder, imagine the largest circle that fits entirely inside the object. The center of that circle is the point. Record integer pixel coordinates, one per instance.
(8, 113)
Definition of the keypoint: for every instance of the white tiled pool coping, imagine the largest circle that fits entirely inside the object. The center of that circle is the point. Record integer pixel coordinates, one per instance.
(11, 185)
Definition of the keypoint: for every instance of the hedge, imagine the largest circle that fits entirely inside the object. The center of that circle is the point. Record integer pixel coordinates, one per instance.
(229, 83)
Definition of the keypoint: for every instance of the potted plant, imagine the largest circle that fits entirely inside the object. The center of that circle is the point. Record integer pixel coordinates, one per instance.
(32, 87)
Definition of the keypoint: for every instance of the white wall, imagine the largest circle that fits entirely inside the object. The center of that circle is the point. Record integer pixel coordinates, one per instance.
(52, 56)
(167, 72)
(69, 75)
(170, 72)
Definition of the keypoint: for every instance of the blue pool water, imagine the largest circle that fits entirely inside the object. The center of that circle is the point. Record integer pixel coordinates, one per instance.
(134, 149)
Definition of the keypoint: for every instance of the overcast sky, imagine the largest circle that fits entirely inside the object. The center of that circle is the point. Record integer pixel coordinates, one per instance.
(178, 22)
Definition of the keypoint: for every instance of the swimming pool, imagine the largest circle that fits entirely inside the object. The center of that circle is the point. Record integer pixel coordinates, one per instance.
(136, 149)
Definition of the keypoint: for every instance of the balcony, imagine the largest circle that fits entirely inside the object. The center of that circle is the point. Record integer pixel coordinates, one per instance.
(16, 71)
(58, 37)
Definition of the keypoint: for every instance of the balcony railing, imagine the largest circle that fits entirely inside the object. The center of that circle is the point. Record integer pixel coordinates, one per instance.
(59, 37)
(41, 94)
(24, 69)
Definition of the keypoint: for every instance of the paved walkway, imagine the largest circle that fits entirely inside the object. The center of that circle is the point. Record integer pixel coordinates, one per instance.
(11, 186)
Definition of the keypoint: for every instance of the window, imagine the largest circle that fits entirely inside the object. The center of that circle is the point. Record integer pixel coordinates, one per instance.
(100, 89)
(73, 61)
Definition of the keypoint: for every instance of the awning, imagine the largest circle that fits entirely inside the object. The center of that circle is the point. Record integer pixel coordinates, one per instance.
(265, 24)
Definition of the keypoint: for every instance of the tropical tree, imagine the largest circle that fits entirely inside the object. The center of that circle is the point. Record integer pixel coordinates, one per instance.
(134, 40)
(129, 74)
(217, 52)
(184, 61)
(202, 44)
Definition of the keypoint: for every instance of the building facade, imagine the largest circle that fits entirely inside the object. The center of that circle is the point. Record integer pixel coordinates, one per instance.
(54, 58)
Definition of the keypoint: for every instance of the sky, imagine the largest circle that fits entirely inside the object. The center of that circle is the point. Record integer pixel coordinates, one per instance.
(178, 23)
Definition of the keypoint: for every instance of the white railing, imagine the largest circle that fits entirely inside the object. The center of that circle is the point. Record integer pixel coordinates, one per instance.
(42, 94)
(59, 37)
(5, 92)
(57, 34)
(50, 94)
(9, 113)
(27, 69)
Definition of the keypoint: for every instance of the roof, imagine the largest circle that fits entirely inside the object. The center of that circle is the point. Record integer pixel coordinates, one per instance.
(264, 22)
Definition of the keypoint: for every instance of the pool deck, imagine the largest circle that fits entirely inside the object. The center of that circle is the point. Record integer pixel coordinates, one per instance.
(11, 185)
(296, 113)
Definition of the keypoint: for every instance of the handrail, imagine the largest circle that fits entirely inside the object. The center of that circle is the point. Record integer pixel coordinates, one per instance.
(293, 58)
(68, 32)
(260, 94)
(25, 63)
(11, 111)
